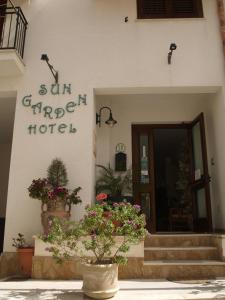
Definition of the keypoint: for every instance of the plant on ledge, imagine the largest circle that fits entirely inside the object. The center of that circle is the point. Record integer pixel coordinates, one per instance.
(25, 253)
(53, 194)
(105, 231)
(114, 185)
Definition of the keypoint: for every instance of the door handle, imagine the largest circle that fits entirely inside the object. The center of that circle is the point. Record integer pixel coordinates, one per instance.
(208, 179)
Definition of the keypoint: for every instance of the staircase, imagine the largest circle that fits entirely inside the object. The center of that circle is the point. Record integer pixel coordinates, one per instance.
(182, 257)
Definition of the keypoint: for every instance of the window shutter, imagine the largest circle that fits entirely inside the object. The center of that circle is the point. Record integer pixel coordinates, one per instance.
(185, 8)
(152, 8)
(169, 8)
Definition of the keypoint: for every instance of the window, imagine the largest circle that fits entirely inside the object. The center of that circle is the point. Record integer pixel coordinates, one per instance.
(156, 9)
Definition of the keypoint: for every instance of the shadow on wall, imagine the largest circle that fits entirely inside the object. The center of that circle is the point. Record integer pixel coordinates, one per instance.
(2, 229)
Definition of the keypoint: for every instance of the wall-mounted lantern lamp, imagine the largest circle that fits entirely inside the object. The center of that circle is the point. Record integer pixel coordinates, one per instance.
(111, 122)
(53, 71)
(173, 47)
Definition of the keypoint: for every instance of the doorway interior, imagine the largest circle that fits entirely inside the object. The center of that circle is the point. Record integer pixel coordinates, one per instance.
(7, 112)
(170, 176)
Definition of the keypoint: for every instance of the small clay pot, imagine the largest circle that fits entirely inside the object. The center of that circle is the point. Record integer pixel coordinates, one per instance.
(25, 256)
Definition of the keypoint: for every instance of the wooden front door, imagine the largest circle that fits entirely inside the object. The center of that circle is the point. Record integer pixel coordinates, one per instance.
(2, 17)
(145, 156)
(200, 176)
(143, 172)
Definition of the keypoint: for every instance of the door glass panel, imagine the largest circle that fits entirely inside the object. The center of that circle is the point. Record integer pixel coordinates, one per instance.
(201, 203)
(144, 159)
(145, 206)
(197, 151)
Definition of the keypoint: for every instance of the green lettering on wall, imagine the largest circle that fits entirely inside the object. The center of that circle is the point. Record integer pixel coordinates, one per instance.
(70, 107)
(37, 108)
(82, 99)
(72, 130)
(32, 129)
(67, 88)
(26, 101)
(55, 89)
(59, 112)
(47, 112)
(43, 90)
(51, 126)
(62, 127)
(43, 128)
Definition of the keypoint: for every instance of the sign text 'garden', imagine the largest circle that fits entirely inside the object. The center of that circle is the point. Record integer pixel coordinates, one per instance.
(51, 112)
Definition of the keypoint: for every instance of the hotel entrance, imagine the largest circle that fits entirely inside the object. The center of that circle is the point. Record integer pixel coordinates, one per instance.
(170, 176)
(7, 113)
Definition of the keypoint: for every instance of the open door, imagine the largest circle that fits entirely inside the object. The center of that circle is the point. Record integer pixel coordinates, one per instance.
(3, 4)
(200, 177)
(143, 172)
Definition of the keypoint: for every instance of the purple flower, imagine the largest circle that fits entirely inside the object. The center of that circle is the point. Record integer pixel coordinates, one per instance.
(137, 207)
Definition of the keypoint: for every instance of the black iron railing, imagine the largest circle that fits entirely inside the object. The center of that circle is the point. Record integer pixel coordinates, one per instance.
(13, 26)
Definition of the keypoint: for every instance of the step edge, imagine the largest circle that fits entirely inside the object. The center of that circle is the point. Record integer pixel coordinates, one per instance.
(183, 263)
(179, 248)
(180, 235)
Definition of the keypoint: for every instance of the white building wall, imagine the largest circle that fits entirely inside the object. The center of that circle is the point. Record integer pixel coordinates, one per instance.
(93, 48)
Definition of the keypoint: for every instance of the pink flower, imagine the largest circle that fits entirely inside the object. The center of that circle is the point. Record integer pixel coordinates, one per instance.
(101, 196)
(92, 214)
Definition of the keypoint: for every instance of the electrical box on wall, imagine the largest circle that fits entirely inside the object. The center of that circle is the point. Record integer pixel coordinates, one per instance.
(120, 158)
(120, 162)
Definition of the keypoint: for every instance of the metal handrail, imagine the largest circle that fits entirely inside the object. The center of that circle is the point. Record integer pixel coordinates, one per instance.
(13, 27)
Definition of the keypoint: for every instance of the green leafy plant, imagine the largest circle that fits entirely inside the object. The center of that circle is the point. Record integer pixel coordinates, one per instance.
(20, 242)
(98, 232)
(57, 174)
(112, 184)
(48, 189)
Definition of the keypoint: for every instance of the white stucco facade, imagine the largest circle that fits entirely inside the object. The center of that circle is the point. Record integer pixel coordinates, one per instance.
(108, 61)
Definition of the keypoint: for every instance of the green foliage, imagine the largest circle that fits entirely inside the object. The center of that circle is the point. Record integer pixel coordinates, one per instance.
(112, 184)
(73, 198)
(39, 189)
(57, 174)
(98, 232)
(51, 188)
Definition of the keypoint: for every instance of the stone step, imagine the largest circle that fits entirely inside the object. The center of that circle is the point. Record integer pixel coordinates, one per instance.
(180, 253)
(183, 269)
(179, 240)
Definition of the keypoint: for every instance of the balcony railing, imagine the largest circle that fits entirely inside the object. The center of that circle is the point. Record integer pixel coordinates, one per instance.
(13, 26)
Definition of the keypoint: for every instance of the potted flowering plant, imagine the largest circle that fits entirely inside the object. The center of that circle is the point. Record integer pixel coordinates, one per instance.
(56, 199)
(101, 239)
(25, 253)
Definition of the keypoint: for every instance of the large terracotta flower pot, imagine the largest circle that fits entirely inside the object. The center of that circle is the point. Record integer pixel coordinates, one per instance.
(54, 208)
(25, 256)
(100, 281)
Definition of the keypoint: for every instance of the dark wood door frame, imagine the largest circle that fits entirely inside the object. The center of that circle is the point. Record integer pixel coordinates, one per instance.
(204, 181)
(150, 188)
(139, 188)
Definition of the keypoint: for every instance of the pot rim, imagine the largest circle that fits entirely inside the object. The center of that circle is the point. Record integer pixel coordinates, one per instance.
(99, 265)
(26, 249)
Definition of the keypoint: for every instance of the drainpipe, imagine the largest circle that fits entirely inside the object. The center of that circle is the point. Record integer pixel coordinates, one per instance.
(221, 15)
